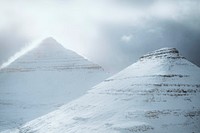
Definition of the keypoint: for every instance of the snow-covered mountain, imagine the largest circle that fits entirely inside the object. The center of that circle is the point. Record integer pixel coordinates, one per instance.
(42, 80)
(160, 93)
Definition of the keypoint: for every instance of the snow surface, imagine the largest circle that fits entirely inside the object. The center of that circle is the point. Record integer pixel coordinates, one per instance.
(158, 94)
(42, 80)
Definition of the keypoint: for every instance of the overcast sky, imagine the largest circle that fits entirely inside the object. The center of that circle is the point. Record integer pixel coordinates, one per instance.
(112, 33)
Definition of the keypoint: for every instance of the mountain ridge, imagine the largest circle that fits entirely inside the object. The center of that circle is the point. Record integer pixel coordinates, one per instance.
(152, 95)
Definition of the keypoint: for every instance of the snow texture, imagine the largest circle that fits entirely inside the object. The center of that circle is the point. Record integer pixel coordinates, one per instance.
(42, 80)
(158, 94)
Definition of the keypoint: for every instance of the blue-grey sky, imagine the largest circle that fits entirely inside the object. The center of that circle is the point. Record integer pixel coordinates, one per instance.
(112, 33)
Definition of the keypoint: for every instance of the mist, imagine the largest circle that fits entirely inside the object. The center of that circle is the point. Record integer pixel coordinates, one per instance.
(111, 33)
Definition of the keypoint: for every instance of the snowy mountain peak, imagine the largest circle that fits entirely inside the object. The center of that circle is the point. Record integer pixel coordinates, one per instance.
(158, 95)
(49, 39)
(50, 44)
(162, 53)
(43, 79)
(49, 55)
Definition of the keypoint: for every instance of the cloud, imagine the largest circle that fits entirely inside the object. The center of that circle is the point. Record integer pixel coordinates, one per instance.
(126, 38)
(11, 41)
(99, 29)
(24, 50)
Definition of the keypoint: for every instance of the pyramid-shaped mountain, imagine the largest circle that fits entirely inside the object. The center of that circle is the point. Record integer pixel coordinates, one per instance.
(42, 80)
(160, 93)
(51, 56)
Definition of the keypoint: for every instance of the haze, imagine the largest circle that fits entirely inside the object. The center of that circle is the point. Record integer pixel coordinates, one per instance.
(112, 33)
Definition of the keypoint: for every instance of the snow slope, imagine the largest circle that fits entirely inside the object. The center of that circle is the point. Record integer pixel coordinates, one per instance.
(158, 94)
(42, 80)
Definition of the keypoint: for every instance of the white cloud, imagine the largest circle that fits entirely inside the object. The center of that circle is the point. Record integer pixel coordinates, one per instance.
(126, 38)
(81, 25)
(20, 53)
(78, 23)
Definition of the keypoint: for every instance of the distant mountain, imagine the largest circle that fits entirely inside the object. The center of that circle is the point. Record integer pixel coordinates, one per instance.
(158, 94)
(42, 80)
(50, 56)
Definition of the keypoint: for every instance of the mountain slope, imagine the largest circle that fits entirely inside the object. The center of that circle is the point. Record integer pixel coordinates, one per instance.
(158, 94)
(50, 56)
(42, 80)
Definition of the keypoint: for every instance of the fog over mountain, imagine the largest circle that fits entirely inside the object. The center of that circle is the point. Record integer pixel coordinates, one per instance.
(112, 33)
(43, 79)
